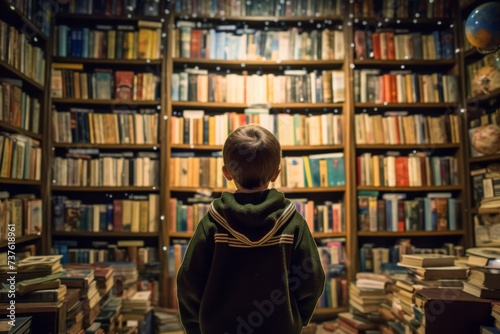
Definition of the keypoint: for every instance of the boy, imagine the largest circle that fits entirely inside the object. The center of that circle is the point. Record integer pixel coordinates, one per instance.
(252, 265)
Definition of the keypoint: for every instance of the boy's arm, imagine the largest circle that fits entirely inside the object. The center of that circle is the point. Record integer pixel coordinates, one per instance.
(192, 277)
(307, 277)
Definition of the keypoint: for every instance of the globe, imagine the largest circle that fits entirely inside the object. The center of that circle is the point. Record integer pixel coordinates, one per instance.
(481, 28)
(486, 139)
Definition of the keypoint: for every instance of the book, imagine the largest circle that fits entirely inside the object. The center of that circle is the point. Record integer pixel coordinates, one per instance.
(427, 260)
(432, 273)
(485, 277)
(481, 292)
(482, 257)
(80, 278)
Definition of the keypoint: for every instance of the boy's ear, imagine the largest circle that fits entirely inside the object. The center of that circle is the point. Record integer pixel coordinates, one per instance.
(275, 175)
(226, 173)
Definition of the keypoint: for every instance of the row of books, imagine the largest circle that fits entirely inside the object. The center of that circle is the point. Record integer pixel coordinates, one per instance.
(80, 125)
(20, 215)
(262, 8)
(137, 213)
(109, 42)
(402, 9)
(112, 8)
(184, 216)
(374, 258)
(17, 107)
(485, 183)
(370, 85)
(332, 257)
(401, 44)
(119, 252)
(196, 128)
(414, 170)
(20, 157)
(107, 169)
(319, 170)
(18, 52)
(233, 43)
(398, 127)
(103, 84)
(293, 86)
(322, 218)
(395, 213)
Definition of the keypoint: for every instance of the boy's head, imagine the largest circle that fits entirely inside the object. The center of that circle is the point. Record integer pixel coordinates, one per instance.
(252, 156)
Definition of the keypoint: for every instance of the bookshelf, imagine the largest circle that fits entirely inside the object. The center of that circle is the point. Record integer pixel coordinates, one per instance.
(480, 110)
(108, 115)
(263, 71)
(23, 122)
(399, 58)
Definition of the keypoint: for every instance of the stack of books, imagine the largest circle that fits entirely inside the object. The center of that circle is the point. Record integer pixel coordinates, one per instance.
(484, 277)
(37, 280)
(110, 317)
(103, 275)
(368, 292)
(84, 280)
(424, 271)
(137, 312)
(166, 321)
(126, 277)
(74, 311)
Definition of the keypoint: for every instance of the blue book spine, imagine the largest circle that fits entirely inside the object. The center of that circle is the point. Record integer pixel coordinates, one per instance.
(85, 42)
(62, 41)
(437, 44)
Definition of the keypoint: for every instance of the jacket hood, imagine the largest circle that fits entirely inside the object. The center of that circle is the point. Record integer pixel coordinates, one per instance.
(252, 214)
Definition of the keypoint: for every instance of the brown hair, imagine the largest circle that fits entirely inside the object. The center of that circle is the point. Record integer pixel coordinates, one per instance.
(252, 155)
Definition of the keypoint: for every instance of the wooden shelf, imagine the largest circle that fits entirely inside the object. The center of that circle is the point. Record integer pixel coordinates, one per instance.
(420, 22)
(321, 235)
(486, 158)
(20, 182)
(404, 64)
(105, 102)
(25, 239)
(4, 126)
(104, 189)
(257, 64)
(259, 19)
(411, 189)
(108, 146)
(284, 190)
(100, 62)
(183, 235)
(277, 106)
(105, 234)
(284, 148)
(395, 105)
(484, 99)
(411, 233)
(29, 84)
(78, 18)
(406, 146)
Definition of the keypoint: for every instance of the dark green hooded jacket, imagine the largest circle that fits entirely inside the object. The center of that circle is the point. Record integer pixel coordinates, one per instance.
(251, 267)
